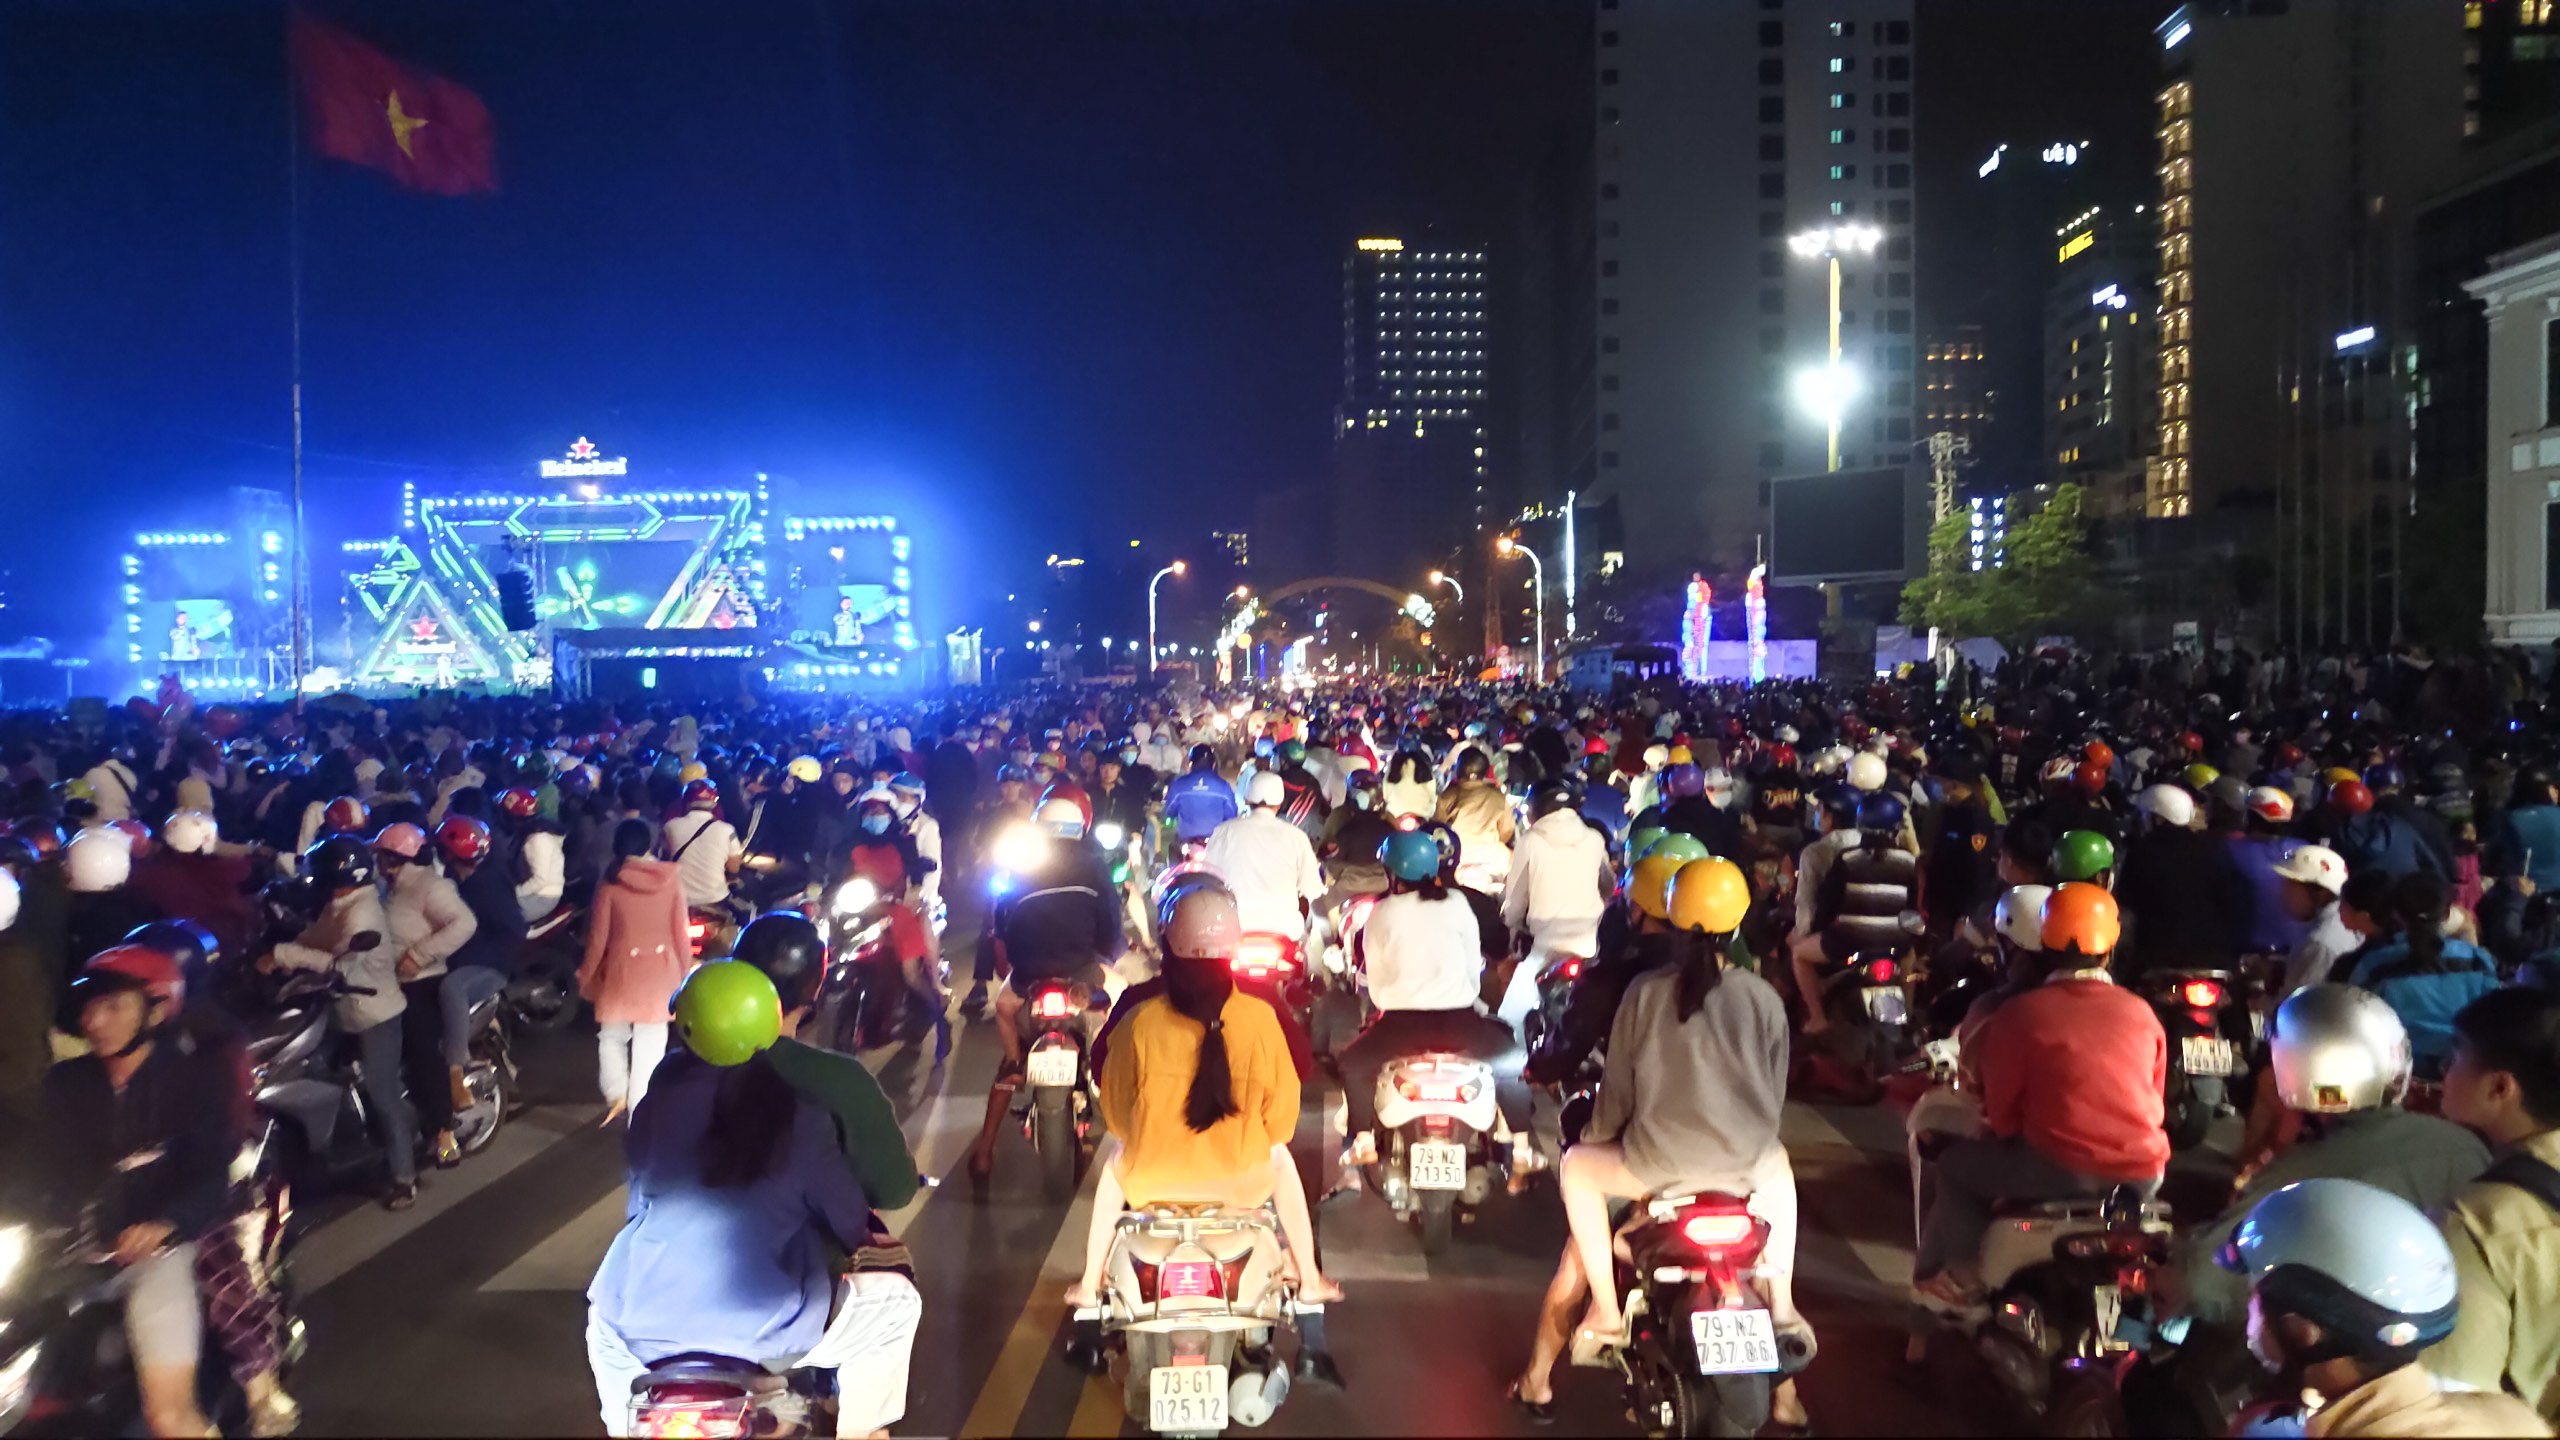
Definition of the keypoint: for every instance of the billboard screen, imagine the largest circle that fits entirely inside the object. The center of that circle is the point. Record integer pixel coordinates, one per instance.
(1846, 525)
(848, 587)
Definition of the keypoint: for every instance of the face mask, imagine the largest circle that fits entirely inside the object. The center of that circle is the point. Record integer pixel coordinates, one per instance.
(1129, 756)
(876, 824)
(1363, 799)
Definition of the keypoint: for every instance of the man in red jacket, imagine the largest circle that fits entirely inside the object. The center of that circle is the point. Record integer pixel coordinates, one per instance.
(2071, 1084)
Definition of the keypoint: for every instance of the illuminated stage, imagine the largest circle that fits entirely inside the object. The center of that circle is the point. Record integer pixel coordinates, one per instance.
(212, 606)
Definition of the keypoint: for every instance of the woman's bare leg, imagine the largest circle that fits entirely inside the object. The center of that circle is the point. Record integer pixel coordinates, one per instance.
(1591, 1175)
(1108, 1202)
(1557, 1310)
(1298, 1227)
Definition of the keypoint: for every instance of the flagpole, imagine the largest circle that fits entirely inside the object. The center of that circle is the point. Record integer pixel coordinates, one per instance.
(293, 248)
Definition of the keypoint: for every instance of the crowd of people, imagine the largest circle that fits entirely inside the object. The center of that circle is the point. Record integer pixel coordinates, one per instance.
(2369, 851)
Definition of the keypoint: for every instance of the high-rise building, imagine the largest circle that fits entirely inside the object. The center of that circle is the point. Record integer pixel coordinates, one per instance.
(1723, 129)
(2099, 358)
(1410, 431)
(1955, 387)
(2296, 138)
(2510, 65)
(2018, 194)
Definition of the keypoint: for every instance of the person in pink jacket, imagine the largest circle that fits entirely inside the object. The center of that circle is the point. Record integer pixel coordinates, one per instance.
(638, 952)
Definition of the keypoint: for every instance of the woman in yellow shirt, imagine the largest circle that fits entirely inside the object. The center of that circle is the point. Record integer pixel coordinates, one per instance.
(1200, 1098)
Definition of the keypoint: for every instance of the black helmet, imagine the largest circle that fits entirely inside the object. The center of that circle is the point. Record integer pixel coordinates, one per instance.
(1474, 764)
(786, 946)
(1203, 756)
(340, 862)
(186, 942)
(1551, 797)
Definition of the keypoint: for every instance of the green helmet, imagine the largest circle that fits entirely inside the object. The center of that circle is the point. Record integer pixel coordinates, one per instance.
(1641, 840)
(2082, 855)
(1683, 846)
(1292, 753)
(728, 1011)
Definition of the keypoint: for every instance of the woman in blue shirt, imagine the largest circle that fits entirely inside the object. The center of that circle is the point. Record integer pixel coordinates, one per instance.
(2425, 976)
(740, 1199)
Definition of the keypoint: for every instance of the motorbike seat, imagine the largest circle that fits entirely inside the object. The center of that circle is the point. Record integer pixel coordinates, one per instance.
(703, 1366)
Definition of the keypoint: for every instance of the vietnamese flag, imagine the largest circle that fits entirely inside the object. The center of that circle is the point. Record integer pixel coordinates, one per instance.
(366, 108)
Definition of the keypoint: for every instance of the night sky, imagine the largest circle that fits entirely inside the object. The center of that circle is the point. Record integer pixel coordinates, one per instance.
(1029, 273)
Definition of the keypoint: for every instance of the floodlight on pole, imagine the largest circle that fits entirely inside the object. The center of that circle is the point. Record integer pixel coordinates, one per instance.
(1828, 243)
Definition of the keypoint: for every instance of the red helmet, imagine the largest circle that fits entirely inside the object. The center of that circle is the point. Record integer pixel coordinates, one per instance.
(517, 801)
(1595, 746)
(346, 815)
(1783, 755)
(130, 967)
(2191, 742)
(463, 839)
(2351, 797)
(701, 795)
(1074, 794)
(2090, 778)
(136, 834)
(2288, 755)
(2099, 753)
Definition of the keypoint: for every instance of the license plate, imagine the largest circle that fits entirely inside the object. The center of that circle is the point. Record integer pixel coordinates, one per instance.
(1888, 1004)
(1436, 1165)
(1187, 1397)
(1734, 1342)
(1055, 1066)
(2107, 1308)
(2207, 1055)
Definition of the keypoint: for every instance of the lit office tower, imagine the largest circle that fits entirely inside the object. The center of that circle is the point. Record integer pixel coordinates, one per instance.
(1725, 131)
(1410, 429)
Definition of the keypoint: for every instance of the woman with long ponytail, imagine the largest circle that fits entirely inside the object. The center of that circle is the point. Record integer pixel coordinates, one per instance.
(1200, 1096)
(1697, 1073)
(2425, 976)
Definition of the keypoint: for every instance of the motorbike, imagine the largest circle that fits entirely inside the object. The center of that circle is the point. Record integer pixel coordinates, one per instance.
(1064, 1109)
(1555, 989)
(1437, 1158)
(1868, 1000)
(702, 1396)
(2050, 1335)
(1193, 1300)
(1277, 961)
(1703, 1351)
(2204, 1060)
(866, 998)
(543, 996)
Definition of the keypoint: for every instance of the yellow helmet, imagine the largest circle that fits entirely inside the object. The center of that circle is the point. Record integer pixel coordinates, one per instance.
(691, 773)
(1680, 756)
(1708, 895)
(1649, 884)
(2337, 773)
(806, 769)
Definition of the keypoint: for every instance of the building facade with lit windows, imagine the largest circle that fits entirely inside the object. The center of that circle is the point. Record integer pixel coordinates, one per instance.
(1410, 429)
(1955, 386)
(2100, 358)
(1722, 131)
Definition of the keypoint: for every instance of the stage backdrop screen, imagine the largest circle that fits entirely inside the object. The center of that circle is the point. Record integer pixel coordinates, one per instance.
(844, 587)
(1851, 524)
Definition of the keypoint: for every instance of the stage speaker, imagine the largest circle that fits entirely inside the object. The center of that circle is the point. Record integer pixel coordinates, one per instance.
(515, 599)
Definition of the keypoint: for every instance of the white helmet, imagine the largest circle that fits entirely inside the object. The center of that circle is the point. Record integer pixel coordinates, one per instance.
(2337, 1048)
(1866, 771)
(1719, 786)
(1828, 760)
(2271, 805)
(1141, 731)
(8, 899)
(97, 860)
(190, 832)
(2315, 865)
(1656, 756)
(1266, 788)
(2019, 915)
(1060, 817)
(2167, 804)
(1785, 735)
(1204, 924)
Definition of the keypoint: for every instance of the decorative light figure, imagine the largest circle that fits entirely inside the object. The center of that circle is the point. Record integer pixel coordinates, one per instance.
(1755, 615)
(1697, 630)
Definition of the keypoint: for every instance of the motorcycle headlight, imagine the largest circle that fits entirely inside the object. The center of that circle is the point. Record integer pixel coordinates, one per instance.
(14, 1241)
(1109, 835)
(855, 896)
(1020, 847)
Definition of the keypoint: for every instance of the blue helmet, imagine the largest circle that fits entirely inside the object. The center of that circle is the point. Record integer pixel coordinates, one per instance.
(1880, 812)
(1412, 856)
(1839, 802)
(2385, 776)
(2363, 1264)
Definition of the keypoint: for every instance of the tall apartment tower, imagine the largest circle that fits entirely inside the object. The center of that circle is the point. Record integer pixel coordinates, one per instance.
(1408, 483)
(1725, 127)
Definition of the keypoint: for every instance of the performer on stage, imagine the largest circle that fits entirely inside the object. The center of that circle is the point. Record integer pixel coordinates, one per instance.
(183, 641)
(848, 624)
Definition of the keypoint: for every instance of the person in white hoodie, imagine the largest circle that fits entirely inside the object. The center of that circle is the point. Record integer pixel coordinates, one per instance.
(541, 856)
(343, 866)
(906, 794)
(429, 922)
(1560, 886)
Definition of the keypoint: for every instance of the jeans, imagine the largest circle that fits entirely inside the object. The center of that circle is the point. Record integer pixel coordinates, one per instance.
(625, 1056)
(868, 1342)
(378, 1048)
(463, 989)
(1973, 1177)
(1400, 1033)
(422, 1054)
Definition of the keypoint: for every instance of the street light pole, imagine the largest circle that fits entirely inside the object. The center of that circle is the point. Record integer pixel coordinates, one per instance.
(1443, 577)
(1538, 584)
(1828, 242)
(1176, 568)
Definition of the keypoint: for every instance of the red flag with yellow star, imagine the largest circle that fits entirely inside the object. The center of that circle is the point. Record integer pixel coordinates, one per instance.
(366, 108)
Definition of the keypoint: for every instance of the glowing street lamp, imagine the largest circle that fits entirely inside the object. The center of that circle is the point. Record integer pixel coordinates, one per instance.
(1443, 577)
(1824, 392)
(1829, 243)
(1176, 568)
(1538, 583)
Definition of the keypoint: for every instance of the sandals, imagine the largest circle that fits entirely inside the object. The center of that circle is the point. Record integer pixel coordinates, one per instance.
(1539, 1412)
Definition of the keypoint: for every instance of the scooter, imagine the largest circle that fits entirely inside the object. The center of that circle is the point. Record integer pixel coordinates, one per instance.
(866, 1000)
(543, 996)
(1438, 1159)
(1193, 1300)
(2204, 1060)
(2055, 1277)
(1279, 962)
(700, 1396)
(1703, 1351)
(1064, 1108)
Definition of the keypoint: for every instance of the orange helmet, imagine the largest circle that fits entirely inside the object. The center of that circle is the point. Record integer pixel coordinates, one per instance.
(2090, 778)
(2099, 753)
(2082, 918)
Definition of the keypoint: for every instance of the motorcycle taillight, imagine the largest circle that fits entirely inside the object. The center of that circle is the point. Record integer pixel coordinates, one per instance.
(690, 1412)
(1724, 1234)
(1881, 972)
(1260, 954)
(2201, 994)
(1052, 1005)
(1187, 1279)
